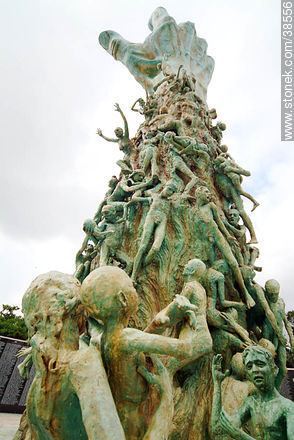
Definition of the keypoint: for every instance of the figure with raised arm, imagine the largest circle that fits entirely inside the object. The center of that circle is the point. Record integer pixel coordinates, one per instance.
(271, 415)
(122, 138)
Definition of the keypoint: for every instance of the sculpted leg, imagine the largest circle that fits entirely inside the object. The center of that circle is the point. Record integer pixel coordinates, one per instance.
(158, 239)
(147, 233)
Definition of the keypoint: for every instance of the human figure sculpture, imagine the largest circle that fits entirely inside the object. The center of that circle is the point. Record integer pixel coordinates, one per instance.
(233, 196)
(109, 296)
(83, 262)
(111, 246)
(217, 131)
(234, 173)
(169, 77)
(178, 164)
(212, 227)
(214, 283)
(262, 311)
(277, 306)
(123, 140)
(94, 234)
(245, 254)
(271, 415)
(149, 152)
(65, 372)
(129, 184)
(236, 387)
(155, 223)
(141, 108)
(112, 185)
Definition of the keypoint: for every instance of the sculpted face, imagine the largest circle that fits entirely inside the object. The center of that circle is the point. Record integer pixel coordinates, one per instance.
(272, 288)
(259, 371)
(119, 132)
(194, 267)
(109, 213)
(234, 217)
(168, 190)
(89, 226)
(204, 194)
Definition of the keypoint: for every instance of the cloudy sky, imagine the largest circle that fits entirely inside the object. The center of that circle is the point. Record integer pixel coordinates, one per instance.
(58, 85)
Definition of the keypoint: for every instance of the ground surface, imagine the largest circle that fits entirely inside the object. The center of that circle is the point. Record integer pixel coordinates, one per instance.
(8, 425)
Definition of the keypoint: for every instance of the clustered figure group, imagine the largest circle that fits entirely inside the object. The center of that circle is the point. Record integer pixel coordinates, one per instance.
(171, 220)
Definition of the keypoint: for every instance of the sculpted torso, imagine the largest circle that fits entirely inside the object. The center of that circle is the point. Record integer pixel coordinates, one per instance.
(268, 417)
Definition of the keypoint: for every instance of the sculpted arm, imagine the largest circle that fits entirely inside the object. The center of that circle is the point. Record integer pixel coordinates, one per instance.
(290, 421)
(162, 419)
(136, 340)
(84, 245)
(89, 380)
(133, 106)
(287, 325)
(219, 420)
(126, 132)
(99, 132)
(269, 314)
(220, 223)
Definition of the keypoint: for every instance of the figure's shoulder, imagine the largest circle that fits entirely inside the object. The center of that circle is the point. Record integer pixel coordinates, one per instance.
(286, 404)
(251, 401)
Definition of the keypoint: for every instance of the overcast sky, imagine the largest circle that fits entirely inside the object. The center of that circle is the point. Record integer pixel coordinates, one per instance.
(58, 85)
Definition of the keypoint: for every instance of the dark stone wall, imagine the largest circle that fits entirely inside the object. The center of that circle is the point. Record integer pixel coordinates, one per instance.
(13, 389)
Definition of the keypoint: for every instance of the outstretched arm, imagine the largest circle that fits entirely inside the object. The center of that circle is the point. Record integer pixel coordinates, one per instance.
(234, 168)
(99, 132)
(136, 187)
(126, 131)
(133, 106)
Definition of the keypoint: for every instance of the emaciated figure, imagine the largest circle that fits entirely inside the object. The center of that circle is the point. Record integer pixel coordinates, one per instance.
(212, 227)
(59, 404)
(277, 306)
(235, 173)
(271, 415)
(155, 223)
(112, 244)
(122, 138)
(109, 296)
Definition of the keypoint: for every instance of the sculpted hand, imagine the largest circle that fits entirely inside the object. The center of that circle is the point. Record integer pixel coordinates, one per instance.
(217, 372)
(178, 309)
(117, 107)
(159, 378)
(99, 132)
(283, 340)
(232, 241)
(227, 426)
